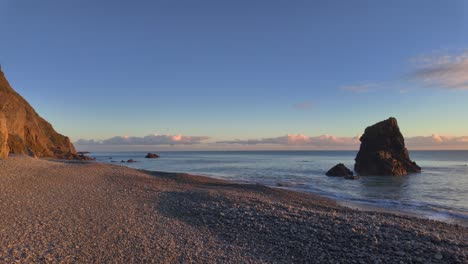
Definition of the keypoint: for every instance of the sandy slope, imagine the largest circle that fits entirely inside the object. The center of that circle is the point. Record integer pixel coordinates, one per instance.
(54, 211)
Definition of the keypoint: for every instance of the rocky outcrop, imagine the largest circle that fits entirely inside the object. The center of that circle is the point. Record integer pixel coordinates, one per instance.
(383, 151)
(152, 156)
(25, 132)
(339, 170)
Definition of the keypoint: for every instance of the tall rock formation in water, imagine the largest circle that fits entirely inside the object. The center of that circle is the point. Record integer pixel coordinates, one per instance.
(383, 151)
(23, 131)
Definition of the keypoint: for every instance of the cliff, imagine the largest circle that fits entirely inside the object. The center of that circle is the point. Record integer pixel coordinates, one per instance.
(23, 131)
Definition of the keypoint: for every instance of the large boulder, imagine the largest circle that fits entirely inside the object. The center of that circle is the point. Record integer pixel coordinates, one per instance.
(25, 132)
(339, 170)
(383, 151)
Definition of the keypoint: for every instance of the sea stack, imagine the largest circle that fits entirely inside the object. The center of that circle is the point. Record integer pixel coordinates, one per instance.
(383, 151)
(23, 131)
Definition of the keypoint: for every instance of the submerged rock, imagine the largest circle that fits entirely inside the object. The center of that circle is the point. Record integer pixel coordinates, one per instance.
(339, 170)
(383, 151)
(152, 156)
(23, 131)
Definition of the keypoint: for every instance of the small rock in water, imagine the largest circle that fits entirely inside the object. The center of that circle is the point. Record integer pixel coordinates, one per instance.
(151, 156)
(339, 170)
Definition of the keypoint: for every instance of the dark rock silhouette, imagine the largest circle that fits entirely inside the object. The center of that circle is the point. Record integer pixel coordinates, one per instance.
(23, 131)
(383, 151)
(152, 156)
(339, 170)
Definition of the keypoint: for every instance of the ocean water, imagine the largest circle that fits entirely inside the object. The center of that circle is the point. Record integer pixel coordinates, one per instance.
(440, 192)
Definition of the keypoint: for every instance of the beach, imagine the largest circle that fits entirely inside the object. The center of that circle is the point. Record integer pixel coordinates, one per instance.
(88, 212)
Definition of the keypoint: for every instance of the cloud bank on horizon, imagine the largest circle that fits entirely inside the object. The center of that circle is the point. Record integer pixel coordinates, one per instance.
(299, 139)
(290, 141)
(149, 140)
(326, 141)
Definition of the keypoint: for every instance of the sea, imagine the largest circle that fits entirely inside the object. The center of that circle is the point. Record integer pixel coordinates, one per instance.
(439, 192)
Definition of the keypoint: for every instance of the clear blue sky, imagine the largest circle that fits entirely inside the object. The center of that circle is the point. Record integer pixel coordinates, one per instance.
(235, 69)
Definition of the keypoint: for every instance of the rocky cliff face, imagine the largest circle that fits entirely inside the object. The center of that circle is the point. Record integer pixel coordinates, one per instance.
(383, 151)
(4, 149)
(23, 131)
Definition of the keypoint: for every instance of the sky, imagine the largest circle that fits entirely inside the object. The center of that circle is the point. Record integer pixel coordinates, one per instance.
(240, 74)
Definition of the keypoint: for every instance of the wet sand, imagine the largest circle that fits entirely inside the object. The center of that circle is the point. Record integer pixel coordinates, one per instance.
(87, 212)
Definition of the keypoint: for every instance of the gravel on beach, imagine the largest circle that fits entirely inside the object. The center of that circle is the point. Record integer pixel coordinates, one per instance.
(88, 212)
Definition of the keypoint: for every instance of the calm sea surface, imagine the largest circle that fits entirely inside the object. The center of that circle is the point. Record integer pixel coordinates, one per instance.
(439, 192)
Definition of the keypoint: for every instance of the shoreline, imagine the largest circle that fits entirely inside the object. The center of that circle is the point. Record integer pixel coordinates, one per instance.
(415, 195)
(366, 207)
(59, 211)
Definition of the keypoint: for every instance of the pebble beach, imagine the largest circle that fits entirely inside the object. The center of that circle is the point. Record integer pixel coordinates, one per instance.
(88, 212)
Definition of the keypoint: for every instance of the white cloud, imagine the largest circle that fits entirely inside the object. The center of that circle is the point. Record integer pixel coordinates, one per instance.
(448, 71)
(144, 141)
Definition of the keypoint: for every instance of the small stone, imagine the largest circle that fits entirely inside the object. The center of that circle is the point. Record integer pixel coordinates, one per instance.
(400, 253)
(435, 239)
(438, 256)
(420, 260)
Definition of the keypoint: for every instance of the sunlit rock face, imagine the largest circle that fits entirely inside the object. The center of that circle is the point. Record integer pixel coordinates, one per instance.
(4, 149)
(383, 151)
(23, 131)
